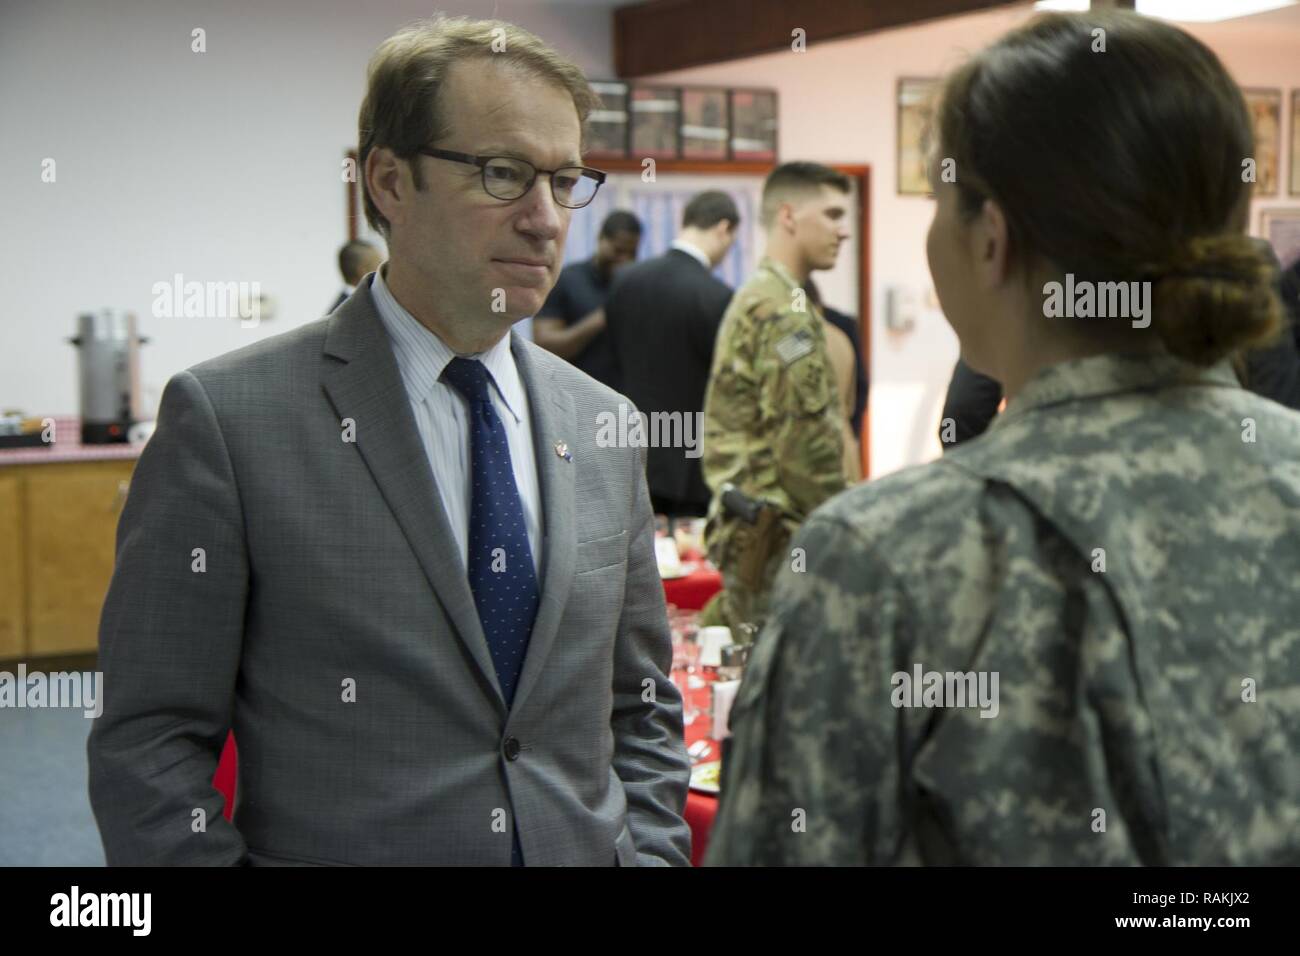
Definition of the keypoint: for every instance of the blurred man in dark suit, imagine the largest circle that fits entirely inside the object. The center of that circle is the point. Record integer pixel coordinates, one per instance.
(571, 323)
(357, 259)
(663, 316)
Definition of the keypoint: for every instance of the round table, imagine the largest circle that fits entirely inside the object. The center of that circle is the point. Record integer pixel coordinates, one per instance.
(691, 593)
(701, 808)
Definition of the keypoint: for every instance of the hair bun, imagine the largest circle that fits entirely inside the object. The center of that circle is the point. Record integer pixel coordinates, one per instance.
(1216, 296)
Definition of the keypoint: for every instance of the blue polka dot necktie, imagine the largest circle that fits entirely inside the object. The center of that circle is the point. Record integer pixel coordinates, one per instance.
(499, 563)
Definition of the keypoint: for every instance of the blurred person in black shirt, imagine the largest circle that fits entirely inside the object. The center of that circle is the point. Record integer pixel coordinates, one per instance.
(571, 323)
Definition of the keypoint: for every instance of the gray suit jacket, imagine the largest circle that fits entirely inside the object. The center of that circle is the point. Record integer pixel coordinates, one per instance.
(328, 565)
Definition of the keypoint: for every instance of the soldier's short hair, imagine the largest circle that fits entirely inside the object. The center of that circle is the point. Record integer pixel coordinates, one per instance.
(403, 110)
(707, 209)
(791, 182)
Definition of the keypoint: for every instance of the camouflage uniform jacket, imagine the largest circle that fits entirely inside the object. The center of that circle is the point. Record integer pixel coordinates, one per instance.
(1163, 692)
(771, 422)
(771, 418)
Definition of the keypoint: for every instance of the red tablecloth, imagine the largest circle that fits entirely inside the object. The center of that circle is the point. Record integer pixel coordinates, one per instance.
(693, 591)
(690, 593)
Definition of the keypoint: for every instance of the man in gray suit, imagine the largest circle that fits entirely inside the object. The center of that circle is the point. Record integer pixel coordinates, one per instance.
(387, 548)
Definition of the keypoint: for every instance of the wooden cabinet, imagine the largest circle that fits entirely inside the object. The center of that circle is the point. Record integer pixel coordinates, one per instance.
(13, 585)
(67, 516)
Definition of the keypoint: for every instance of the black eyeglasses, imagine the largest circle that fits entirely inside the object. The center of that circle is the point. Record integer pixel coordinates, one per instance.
(505, 177)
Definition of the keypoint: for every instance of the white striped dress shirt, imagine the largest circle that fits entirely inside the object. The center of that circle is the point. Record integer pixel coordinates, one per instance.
(442, 417)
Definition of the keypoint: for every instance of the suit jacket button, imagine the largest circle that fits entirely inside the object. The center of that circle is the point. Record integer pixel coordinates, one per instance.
(511, 748)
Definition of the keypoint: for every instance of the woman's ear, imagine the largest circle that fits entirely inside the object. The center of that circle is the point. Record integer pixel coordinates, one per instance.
(990, 241)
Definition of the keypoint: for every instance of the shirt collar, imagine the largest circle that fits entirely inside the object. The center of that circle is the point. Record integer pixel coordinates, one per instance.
(422, 356)
(1098, 376)
(781, 271)
(694, 251)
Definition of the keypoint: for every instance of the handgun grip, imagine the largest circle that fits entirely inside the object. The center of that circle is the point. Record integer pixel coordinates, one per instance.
(736, 502)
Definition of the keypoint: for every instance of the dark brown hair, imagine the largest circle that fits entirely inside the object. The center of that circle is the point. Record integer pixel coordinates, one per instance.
(1117, 165)
(401, 109)
(707, 209)
(791, 180)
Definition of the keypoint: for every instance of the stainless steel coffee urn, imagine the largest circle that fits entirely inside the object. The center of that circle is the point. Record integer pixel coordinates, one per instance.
(109, 348)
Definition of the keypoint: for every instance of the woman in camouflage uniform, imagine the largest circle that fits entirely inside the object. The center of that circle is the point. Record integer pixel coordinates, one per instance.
(1075, 639)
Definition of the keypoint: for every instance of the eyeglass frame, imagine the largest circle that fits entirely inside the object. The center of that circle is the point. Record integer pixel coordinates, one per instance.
(482, 162)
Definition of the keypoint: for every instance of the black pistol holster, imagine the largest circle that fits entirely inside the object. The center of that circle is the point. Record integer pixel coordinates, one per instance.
(758, 532)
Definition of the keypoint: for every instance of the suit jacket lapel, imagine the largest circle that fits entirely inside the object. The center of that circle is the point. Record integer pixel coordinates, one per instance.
(553, 420)
(367, 387)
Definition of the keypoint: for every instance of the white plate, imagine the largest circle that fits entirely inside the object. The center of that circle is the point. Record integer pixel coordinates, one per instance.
(704, 776)
(684, 570)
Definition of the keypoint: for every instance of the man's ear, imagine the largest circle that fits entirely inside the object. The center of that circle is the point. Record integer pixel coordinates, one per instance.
(990, 239)
(785, 214)
(388, 181)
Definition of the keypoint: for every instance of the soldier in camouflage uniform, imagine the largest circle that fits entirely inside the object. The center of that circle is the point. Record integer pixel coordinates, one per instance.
(771, 412)
(1121, 548)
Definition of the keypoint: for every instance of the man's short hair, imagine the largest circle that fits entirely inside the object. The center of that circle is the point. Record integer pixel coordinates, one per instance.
(402, 110)
(709, 208)
(618, 223)
(791, 182)
(351, 257)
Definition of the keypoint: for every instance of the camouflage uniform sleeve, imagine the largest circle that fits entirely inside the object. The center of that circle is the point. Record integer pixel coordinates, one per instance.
(730, 403)
(797, 404)
(813, 774)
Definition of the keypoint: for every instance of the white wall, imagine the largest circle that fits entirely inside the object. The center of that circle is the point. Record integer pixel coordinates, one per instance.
(222, 166)
(837, 104)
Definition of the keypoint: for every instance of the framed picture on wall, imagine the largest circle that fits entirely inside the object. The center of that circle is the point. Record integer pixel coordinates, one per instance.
(607, 126)
(1281, 227)
(1265, 108)
(704, 124)
(915, 102)
(656, 112)
(1295, 142)
(753, 125)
